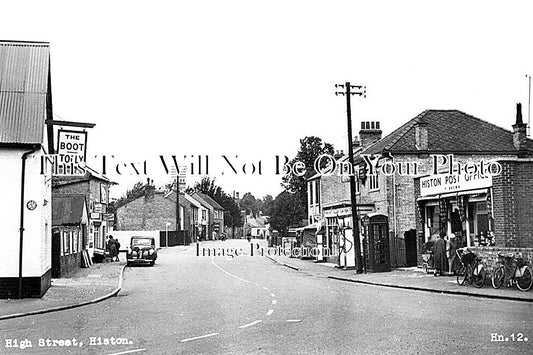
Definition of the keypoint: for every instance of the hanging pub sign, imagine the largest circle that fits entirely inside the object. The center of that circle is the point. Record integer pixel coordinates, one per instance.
(70, 155)
(72, 143)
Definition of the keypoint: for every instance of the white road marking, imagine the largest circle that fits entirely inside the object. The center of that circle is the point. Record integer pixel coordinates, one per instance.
(294, 320)
(250, 324)
(264, 288)
(270, 311)
(274, 301)
(128, 352)
(273, 295)
(257, 284)
(224, 271)
(200, 337)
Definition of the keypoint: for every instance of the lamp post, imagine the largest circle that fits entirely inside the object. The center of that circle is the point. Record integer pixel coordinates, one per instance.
(347, 91)
(528, 130)
(166, 233)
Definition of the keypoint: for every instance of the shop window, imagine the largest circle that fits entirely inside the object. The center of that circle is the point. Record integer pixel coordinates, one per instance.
(317, 192)
(432, 220)
(66, 242)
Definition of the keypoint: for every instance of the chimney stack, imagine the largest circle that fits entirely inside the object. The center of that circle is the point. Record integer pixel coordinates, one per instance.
(369, 133)
(421, 135)
(519, 130)
(149, 189)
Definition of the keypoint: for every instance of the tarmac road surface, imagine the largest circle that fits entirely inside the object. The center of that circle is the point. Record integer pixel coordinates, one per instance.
(188, 304)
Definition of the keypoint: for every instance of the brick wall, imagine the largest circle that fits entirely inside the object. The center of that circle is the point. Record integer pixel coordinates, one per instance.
(513, 202)
(147, 213)
(490, 255)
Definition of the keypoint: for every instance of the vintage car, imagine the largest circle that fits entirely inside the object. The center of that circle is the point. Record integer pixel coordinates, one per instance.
(141, 251)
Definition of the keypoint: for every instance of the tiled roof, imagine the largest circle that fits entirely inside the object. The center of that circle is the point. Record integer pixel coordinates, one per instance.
(67, 209)
(24, 71)
(449, 131)
(209, 200)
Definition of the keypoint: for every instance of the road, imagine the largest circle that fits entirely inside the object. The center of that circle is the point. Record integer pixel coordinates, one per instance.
(188, 304)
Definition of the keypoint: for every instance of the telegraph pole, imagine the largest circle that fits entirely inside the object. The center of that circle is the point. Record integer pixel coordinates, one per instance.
(347, 91)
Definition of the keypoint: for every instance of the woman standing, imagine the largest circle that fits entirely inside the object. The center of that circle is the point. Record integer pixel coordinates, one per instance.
(441, 261)
(112, 248)
(452, 259)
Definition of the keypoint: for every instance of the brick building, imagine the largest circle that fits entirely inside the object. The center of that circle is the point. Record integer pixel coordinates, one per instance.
(216, 215)
(416, 178)
(95, 187)
(156, 211)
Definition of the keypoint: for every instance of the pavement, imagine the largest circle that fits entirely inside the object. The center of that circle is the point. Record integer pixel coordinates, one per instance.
(82, 287)
(411, 278)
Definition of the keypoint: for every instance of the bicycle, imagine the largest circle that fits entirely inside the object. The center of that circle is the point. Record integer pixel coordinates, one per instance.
(471, 270)
(513, 269)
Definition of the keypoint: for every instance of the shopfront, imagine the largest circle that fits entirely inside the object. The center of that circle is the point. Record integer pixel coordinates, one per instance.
(459, 204)
(337, 219)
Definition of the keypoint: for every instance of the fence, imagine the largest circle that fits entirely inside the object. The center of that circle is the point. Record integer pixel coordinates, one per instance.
(174, 238)
(397, 251)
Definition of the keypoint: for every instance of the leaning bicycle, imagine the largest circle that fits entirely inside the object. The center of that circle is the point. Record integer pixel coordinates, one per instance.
(514, 270)
(472, 270)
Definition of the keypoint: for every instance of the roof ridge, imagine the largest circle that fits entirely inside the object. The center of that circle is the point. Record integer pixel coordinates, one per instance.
(487, 122)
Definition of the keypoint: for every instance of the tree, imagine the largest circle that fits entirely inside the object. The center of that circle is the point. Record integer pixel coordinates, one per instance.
(310, 149)
(132, 194)
(287, 211)
(232, 213)
(266, 205)
(250, 204)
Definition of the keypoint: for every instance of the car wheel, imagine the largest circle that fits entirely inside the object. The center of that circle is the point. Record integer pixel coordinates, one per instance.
(152, 263)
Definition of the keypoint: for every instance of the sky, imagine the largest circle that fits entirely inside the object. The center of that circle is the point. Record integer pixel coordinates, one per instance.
(248, 79)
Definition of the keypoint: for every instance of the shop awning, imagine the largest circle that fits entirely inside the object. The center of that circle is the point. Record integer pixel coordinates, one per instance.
(452, 194)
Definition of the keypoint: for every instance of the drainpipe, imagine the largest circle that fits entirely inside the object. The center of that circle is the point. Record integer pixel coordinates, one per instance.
(21, 229)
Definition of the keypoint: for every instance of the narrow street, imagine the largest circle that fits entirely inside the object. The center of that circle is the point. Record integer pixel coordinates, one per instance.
(221, 305)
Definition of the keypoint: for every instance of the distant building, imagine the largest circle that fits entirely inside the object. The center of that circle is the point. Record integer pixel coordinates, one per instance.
(216, 215)
(259, 227)
(95, 187)
(25, 206)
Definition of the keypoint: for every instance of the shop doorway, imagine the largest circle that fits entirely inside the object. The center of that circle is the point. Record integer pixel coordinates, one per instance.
(410, 247)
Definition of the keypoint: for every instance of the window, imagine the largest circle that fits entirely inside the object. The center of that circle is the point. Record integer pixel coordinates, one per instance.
(66, 242)
(373, 182)
(310, 185)
(317, 192)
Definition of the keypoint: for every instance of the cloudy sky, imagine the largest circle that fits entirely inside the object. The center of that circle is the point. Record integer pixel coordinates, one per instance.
(250, 78)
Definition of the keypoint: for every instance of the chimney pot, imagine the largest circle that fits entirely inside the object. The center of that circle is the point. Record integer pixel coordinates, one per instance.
(519, 130)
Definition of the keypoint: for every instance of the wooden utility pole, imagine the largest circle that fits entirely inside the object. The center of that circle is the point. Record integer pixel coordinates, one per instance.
(360, 91)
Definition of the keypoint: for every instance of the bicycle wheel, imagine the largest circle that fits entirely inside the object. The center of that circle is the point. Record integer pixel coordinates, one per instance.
(498, 275)
(479, 278)
(525, 282)
(461, 276)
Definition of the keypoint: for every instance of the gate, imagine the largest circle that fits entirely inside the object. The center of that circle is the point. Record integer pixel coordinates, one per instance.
(376, 232)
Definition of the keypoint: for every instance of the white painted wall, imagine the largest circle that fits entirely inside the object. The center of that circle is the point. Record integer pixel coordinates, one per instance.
(37, 258)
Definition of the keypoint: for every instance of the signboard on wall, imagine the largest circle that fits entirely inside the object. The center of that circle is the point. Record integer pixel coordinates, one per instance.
(445, 183)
